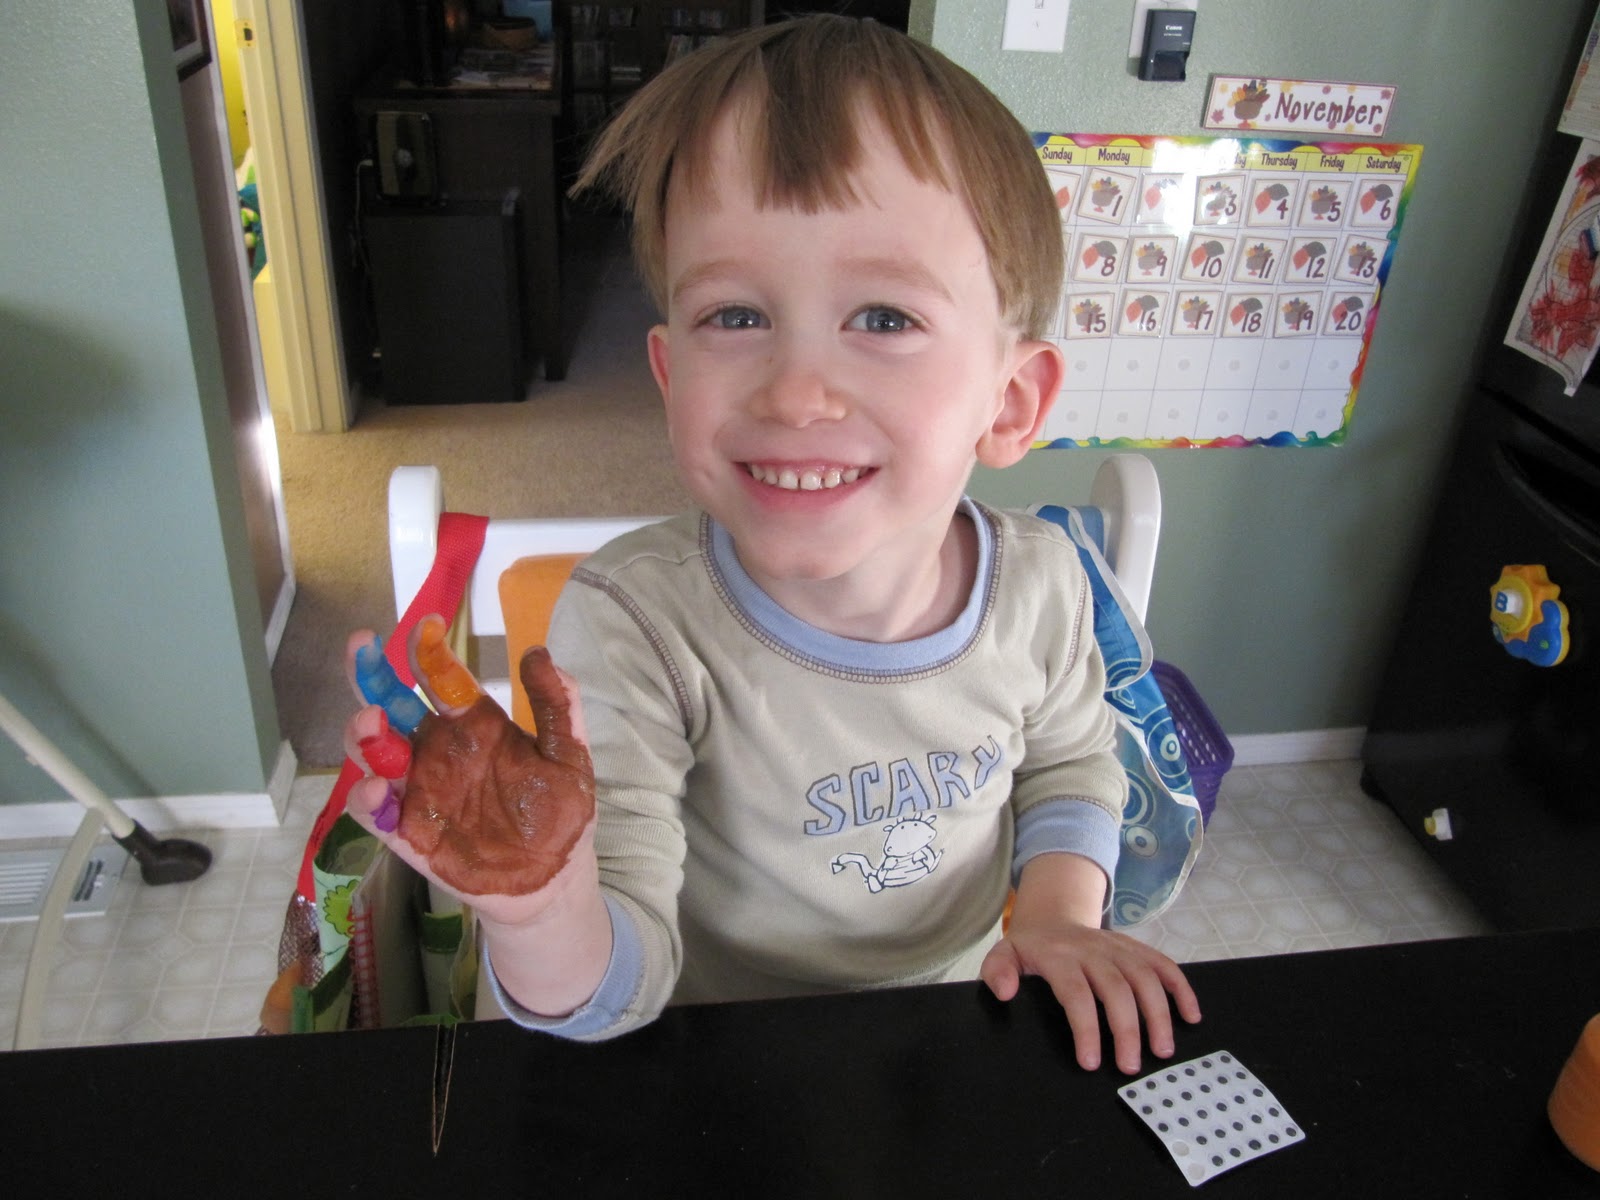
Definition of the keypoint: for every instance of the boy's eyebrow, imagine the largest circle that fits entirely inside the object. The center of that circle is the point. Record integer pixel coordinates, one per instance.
(912, 274)
(899, 270)
(706, 272)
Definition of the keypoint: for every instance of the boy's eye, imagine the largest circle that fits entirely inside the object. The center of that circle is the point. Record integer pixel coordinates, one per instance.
(881, 320)
(737, 317)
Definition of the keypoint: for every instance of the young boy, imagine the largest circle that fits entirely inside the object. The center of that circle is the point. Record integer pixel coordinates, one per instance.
(839, 713)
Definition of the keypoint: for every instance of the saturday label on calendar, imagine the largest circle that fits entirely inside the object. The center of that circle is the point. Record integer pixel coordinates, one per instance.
(1219, 291)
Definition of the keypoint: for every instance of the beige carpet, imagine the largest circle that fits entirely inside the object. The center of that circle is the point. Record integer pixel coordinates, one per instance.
(592, 444)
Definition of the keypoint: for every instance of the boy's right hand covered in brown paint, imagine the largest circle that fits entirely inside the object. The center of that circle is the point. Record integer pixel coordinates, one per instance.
(493, 809)
(483, 808)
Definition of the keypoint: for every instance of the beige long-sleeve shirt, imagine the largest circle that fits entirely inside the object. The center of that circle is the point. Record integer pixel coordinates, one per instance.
(784, 811)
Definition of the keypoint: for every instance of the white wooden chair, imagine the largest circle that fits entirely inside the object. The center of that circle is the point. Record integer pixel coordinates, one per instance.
(1125, 491)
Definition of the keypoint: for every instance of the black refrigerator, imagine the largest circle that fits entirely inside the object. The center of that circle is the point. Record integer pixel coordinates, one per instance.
(1485, 735)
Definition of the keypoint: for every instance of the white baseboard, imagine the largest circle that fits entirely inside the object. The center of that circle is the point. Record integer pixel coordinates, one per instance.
(1307, 745)
(165, 814)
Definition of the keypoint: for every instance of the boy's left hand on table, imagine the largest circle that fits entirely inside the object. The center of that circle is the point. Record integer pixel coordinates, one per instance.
(1052, 935)
(1085, 965)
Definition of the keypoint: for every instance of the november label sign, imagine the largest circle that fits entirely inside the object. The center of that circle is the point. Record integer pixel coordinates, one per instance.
(1298, 106)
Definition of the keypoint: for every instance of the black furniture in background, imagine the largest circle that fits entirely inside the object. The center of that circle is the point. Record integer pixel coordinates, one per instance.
(1507, 748)
(447, 297)
(477, 144)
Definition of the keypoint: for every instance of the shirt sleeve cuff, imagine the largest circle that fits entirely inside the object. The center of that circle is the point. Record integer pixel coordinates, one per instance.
(606, 1007)
(1075, 826)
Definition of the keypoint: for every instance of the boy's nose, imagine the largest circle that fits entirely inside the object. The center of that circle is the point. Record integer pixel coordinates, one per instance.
(798, 389)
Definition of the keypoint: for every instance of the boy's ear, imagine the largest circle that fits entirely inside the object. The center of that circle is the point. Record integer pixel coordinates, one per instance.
(1039, 368)
(656, 347)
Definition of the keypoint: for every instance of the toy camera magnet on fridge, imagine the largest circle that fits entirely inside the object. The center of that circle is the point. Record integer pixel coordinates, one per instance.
(1525, 616)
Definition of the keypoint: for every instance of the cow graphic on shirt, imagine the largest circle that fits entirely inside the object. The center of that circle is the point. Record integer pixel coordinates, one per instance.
(908, 854)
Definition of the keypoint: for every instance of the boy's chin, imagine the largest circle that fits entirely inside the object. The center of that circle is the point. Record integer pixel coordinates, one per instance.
(768, 564)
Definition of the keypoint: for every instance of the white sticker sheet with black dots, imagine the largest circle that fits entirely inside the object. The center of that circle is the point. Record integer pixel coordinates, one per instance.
(1212, 1114)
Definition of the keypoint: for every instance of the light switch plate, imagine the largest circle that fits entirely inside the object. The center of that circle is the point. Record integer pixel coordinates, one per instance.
(1035, 25)
(1141, 9)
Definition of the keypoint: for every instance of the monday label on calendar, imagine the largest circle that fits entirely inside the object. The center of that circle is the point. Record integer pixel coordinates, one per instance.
(1219, 291)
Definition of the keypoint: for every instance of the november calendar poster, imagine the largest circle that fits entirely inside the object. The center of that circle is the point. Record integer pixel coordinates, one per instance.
(1219, 291)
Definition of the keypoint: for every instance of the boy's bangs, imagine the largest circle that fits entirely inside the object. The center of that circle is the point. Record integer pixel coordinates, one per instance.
(808, 139)
(800, 120)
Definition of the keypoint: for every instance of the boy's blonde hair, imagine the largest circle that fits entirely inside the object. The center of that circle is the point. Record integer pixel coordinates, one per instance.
(803, 80)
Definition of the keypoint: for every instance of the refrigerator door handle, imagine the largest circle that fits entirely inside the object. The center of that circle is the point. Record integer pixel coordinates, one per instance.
(1533, 483)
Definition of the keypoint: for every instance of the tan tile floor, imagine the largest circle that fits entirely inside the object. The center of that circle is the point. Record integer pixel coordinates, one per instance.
(1296, 857)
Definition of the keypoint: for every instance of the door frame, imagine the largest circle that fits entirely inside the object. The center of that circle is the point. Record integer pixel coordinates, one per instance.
(211, 155)
(273, 74)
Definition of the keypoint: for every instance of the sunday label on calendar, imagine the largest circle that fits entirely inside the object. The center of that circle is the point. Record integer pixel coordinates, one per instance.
(1219, 291)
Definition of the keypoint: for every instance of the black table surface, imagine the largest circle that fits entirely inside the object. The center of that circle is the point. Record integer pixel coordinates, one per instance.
(1417, 1070)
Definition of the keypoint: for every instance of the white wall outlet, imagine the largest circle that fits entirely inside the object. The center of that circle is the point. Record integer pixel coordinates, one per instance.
(1035, 25)
(1141, 9)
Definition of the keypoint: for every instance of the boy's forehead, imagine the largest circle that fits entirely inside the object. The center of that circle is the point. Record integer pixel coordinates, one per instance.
(729, 148)
(730, 162)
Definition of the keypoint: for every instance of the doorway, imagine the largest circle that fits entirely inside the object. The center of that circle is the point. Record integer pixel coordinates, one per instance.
(265, 71)
(254, 440)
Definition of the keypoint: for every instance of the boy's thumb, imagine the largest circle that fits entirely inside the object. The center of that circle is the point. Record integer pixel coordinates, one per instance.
(1001, 970)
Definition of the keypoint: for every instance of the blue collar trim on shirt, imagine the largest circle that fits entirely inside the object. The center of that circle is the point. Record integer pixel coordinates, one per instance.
(808, 643)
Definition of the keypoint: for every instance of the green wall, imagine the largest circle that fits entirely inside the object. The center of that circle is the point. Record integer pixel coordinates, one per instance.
(129, 629)
(1281, 571)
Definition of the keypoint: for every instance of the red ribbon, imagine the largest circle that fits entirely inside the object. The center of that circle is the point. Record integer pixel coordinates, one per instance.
(459, 544)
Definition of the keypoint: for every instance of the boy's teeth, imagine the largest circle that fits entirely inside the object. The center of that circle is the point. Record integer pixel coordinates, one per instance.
(804, 481)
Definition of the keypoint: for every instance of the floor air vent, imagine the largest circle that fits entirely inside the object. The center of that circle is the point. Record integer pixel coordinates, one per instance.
(25, 877)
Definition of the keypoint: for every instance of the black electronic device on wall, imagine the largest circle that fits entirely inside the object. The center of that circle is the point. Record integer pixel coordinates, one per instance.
(1168, 36)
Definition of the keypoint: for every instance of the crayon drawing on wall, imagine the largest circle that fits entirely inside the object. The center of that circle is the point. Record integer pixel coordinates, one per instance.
(1219, 291)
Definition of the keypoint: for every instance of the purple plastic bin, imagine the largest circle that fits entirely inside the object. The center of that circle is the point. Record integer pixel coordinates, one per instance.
(1207, 748)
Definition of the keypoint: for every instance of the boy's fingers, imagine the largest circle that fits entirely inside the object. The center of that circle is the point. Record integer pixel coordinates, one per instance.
(557, 714)
(1175, 982)
(1078, 1002)
(375, 681)
(449, 686)
(1122, 1017)
(385, 754)
(1152, 999)
(369, 722)
(353, 646)
(374, 802)
(1001, 970)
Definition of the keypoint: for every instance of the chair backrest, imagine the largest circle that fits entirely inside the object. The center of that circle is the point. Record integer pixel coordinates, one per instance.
(1125, 496)
(416, 498)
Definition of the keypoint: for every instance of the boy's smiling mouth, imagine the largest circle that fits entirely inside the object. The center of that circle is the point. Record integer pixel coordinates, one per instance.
(818, 478)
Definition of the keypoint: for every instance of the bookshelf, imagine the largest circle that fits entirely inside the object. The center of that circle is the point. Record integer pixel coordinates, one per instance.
(614, 46)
